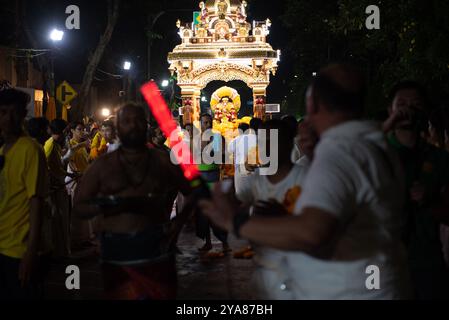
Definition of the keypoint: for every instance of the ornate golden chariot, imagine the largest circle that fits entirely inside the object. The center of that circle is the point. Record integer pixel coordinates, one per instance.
(223, 45)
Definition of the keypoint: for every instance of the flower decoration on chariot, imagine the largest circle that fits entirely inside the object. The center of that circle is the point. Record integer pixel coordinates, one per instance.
(260, 100)
(187, 102)
(225, 103)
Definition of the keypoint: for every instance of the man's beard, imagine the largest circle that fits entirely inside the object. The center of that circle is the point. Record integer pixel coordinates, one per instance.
(133, 140)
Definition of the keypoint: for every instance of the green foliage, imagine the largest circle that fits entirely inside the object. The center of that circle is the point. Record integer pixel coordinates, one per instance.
(412, 43)
(154, 36)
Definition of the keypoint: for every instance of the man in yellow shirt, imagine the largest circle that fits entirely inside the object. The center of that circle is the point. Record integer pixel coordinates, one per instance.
(80, 158)
(59, 198)
(103, 140)
(81, 230)
(22, 190)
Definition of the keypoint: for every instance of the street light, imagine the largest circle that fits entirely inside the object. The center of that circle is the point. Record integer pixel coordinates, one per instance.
(203, 99)
(56, 35)
(105, 112)
(165, 83)
(127, 65)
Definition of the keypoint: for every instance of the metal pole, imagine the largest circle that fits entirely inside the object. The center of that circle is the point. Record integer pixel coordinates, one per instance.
(128, 87)
(172, 93)
(124, 88)
(149, 60)
(53, 81)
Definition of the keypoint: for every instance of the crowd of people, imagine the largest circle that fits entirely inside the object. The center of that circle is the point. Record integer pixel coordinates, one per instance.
(348, 193)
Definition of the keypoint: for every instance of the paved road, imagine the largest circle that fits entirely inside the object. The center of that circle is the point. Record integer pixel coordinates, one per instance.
(198, 278)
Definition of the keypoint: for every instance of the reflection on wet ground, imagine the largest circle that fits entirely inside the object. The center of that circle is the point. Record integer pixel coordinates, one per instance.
(199, 277)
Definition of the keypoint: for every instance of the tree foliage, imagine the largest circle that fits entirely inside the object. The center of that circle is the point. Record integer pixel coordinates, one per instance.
(412, 43)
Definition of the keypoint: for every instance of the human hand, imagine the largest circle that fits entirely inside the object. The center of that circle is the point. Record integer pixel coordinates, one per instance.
(68, 155)
(397, 116)
(307, 139)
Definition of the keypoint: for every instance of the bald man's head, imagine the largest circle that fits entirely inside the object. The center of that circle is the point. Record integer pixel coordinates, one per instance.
(132, 126)
(340, 88)
(131, 108)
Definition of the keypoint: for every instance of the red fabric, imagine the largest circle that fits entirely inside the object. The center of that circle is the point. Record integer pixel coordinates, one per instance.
(155, 281)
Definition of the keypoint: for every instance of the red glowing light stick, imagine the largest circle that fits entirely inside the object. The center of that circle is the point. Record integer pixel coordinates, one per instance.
(164, 118)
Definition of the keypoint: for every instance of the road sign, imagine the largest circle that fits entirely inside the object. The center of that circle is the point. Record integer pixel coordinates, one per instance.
(65, 93)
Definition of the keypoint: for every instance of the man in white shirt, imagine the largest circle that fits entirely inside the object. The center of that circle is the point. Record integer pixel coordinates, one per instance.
(240, 148)
(282, 189)
(346, 231)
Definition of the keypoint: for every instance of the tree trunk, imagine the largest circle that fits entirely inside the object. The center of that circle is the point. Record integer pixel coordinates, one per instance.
(113, 13)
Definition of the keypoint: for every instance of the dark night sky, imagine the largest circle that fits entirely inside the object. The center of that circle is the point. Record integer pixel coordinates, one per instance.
(128, 40)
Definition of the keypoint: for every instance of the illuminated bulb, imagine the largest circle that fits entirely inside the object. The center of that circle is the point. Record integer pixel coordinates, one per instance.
(105, 112)
(127, 65)
(56, 35)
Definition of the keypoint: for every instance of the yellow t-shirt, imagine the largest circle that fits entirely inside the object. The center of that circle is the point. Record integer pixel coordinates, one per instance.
(23, 177)
(98, 146)
(53, 154)
(80, 159)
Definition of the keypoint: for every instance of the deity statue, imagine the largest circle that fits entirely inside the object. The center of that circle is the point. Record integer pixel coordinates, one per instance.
(242, 13)
(204, 14)
(259, 107)
(222, 7)
(268, 23)
(225, 103)
(225, 110)
(222, 30)
(188, 111)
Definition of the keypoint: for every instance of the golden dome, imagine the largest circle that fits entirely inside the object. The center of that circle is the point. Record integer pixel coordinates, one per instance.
(234, 4)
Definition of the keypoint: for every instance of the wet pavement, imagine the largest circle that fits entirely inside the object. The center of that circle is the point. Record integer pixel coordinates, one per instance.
(199, 278)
